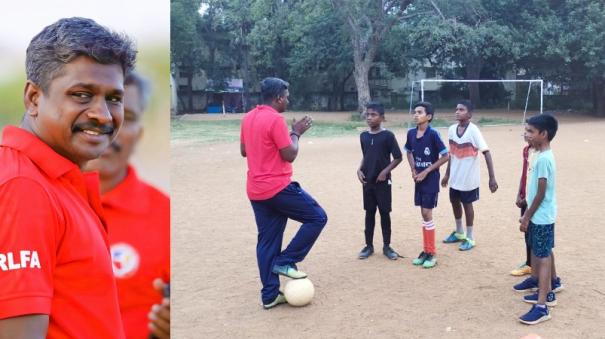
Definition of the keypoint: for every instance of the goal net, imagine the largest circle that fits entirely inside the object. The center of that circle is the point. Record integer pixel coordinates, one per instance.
(422, 86)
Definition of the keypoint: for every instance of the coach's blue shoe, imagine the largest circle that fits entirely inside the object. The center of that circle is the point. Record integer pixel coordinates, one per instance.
(536, 315)
(533, 299)
(467, 244)
(280, 299)
(454, 237)
(556, 285)
(289, 271)
(528, 285)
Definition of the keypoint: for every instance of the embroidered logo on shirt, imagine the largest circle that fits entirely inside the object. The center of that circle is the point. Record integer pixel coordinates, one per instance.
(124, 259)
(427, 151)
(24, 259)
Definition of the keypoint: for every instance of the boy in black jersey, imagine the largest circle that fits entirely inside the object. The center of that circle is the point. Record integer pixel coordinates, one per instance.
(377, 147)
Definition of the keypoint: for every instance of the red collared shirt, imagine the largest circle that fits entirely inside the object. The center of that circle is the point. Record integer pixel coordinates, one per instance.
(264, 132)
(138, 219)
(54, 251)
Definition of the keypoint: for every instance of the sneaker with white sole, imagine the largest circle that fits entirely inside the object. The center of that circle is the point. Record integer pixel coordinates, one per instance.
(551, 300)
(528, 285)
(280, 299)
(536, 314)
(289, 271)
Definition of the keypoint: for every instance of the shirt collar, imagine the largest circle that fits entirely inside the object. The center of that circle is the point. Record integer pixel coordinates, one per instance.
(128, 195)
(49, 161)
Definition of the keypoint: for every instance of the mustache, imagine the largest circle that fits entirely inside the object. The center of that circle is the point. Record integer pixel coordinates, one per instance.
(93, 126)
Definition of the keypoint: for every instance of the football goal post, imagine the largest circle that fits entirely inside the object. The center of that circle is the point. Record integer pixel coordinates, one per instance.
(531, 82)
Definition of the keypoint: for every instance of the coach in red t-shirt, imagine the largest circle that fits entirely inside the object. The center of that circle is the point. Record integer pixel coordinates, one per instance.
(269, 149)
(56, 278)
(138, 220)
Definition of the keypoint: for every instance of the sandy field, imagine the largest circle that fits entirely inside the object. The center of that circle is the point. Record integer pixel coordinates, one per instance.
(467, 295)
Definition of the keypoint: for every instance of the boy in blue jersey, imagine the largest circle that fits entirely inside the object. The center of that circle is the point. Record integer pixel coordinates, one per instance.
(374, 173)
(539, 218)
(426, 153)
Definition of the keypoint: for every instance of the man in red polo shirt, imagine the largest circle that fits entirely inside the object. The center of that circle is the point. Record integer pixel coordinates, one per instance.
(138, 220)
(269, 149)
(56, 278)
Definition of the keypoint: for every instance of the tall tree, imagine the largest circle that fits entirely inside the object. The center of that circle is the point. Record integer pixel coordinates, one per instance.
(369, 21)
(466, 33)
(186, 49)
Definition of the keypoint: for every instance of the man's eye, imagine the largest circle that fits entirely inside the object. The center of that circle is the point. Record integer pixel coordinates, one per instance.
(115, 99)
(81, 95)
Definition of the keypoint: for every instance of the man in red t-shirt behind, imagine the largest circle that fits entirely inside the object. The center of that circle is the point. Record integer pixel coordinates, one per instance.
(269, 149)
(138, 220)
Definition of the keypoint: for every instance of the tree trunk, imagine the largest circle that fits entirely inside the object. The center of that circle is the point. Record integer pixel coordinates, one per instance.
(598, 97)
(473, 72)
(363, 85)
(189, 92)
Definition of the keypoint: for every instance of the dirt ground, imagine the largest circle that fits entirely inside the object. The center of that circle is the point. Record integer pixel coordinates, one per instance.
(467, 295)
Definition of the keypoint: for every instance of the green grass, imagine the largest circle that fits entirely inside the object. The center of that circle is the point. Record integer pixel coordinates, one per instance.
(213, 131)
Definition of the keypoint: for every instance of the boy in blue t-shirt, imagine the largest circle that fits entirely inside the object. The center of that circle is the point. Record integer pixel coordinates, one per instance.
(426, 153)
(539, 219)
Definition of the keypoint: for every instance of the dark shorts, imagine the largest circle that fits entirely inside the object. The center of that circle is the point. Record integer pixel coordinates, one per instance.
(377, 195)
(425, 200)
(466, 197)
(541, 239)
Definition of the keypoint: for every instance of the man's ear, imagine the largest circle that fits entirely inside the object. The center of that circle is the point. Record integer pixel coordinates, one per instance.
(31, 97)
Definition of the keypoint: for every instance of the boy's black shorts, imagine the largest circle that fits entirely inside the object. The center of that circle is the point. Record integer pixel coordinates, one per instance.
(377, 194)
(466, 197)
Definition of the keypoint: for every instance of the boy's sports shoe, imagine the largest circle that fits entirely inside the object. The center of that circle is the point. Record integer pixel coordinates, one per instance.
(533, 299)
(289, 271)
(467, 244)
(366, 252)
(454, 237)
(556, 285)
(389, 253)
(523, 269)
(528, 285)
(421, 258)
(280, 299)
(535, 315)
(430, 261)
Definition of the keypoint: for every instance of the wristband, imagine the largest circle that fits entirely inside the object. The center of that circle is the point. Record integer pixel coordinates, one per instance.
(297, 135)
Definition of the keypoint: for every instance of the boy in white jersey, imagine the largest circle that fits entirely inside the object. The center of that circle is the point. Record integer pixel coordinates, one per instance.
(463, 173)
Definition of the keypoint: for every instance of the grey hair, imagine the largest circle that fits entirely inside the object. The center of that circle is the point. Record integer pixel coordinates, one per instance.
(69, 38)
(142, 84)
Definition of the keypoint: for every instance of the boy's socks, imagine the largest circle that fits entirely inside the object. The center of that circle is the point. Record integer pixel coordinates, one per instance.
(469, 232)
(428, 232)
(459, 229)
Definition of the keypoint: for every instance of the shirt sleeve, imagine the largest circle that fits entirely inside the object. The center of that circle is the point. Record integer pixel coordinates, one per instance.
(395, 151)
(279, 133)
(543, 168)
(408, 142)
(479, 141)
(439, 143)
(28, 224)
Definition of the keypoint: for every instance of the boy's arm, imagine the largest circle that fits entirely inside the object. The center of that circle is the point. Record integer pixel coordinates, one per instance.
(410, 157)
(383, 174)
(442, 160)
(534, 205)
(446, 176)
(493, 185)
(360, 175)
